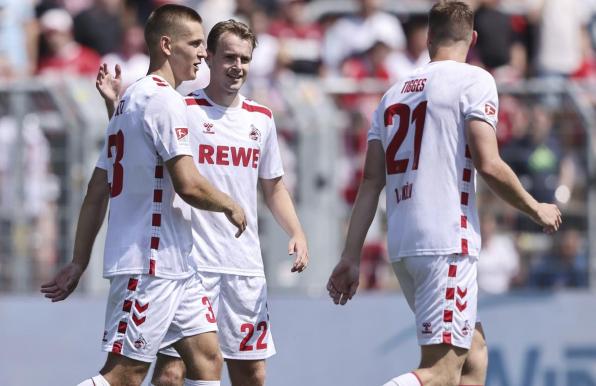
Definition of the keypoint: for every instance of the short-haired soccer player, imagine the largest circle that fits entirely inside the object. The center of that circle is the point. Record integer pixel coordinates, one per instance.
(429, 132)
(146, 170)
(234, 143)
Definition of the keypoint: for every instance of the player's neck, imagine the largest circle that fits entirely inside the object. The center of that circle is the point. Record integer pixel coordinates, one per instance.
(457, 52)
(222, 98)
(166, 73)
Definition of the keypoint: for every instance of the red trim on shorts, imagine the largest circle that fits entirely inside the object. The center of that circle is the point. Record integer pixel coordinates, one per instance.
(158, 171)
(462, 293)
(141, 308)
(127, 305)
(446, 337)
(154, 242)
(157, 195)
(450, 293)
(117, 347)
(138, 321)
(452, 270)
(122, 327)
(467, 175)
(418, 378)
(448, 316)
(151, 267)
(464, 198)
(156, 219)
(197, 102)
(464, 221)
(464, 246)
(132, 284)
(257, 109)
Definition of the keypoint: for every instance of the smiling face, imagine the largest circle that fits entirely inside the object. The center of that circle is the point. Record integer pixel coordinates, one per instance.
(187, 47)
(229, 64)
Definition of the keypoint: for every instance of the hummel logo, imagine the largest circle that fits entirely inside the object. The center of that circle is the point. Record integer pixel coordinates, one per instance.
(208, 128)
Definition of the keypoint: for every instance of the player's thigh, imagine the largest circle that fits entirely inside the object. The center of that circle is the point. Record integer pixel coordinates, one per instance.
(246, 372)
(445, 298)
(406, 282)
(192, 331)
(139, 312)
(243, 318)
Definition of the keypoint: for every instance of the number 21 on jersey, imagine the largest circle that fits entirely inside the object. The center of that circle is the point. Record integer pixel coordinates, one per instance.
(407, 118)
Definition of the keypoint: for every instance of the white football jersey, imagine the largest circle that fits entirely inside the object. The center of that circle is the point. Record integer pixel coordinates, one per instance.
(430, 177)
(146, 233)
(233, 147)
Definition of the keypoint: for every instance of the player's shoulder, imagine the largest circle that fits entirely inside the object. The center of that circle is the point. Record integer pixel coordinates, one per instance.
(253, 107)
(154, 90)
(475, 73)
(197, 98)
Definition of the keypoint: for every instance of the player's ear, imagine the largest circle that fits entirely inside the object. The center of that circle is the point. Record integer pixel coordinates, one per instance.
(208, 58)
(165, 45)
(474, 38)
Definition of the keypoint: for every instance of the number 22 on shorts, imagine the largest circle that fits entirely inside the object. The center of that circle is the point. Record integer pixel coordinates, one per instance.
(249, 329)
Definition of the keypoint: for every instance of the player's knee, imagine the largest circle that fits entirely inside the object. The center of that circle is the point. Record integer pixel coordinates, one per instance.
(258, 376)
(476, 362)
(207, 364)
(169, 376)
(119, 370)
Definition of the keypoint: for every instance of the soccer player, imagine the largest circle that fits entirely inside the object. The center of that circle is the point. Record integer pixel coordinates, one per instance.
(156, 298)
(234, 145)
(429, 133)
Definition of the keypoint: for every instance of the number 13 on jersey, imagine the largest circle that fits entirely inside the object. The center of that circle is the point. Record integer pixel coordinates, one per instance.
(407, 117)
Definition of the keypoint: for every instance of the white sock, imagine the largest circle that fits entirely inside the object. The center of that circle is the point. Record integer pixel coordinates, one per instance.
(97, 380)
(409, 379)
(189, 382)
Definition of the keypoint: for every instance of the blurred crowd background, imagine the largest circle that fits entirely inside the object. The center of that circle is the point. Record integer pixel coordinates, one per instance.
(322, 66)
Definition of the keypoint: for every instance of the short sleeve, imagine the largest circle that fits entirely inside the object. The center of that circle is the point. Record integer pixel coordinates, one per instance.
(270, 165)
(165, 120)
(102, 160)
(480, 100)
(376, 125)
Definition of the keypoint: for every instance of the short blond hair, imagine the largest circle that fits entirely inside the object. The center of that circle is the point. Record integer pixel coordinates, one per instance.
(450, 21)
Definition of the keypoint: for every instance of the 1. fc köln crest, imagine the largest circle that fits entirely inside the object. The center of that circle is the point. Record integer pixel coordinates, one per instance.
(255, 134)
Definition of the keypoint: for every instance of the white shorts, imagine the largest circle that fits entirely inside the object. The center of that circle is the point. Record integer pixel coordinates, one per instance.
(443, 292)
(145, 313)
(240, 305)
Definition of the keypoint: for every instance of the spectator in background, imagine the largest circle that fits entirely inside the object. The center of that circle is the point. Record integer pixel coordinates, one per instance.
(561, 23)
(100, 26)
(64, 55)
(131, 56)
(401, 63)
(355, 34)
(499, 261)
(299, 39)
(565, 267)
(18, 39)
(370, 64)
(497, 47)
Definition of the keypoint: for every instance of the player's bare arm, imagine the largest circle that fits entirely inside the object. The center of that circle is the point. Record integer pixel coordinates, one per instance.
(280, 204)
(109, 86)
(193, 188)
(502, 180)
(91, 217)
(343, 282)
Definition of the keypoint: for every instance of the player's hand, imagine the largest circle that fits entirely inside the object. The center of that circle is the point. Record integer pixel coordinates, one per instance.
(297, 246)
(548, 216)
(237, 217)
(63, 284)
(109, 86)
(343, 282)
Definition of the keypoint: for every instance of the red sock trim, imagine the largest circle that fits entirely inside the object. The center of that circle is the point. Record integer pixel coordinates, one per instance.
(418, 378)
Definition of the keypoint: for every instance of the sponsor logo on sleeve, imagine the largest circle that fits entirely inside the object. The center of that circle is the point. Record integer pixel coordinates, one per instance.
(490, 110)
(182, 135)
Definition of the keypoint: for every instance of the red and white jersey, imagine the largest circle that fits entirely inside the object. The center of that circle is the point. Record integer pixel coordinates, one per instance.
(147, 233)
(430, 177)
(233, 147)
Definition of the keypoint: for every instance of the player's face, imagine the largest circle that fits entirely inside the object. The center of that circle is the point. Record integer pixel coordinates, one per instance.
(188, 50)
(230, 63)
